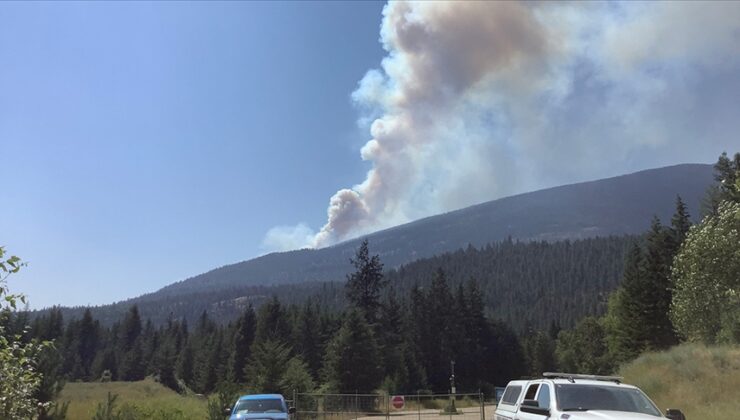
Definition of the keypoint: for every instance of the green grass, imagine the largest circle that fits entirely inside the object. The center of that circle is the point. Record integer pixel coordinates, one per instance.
(701, 381)
(148, 396)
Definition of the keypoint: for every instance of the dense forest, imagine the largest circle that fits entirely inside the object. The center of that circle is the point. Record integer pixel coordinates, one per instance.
(522, 283)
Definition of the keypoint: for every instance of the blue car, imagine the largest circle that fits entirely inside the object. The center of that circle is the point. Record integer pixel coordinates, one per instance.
(261, 406)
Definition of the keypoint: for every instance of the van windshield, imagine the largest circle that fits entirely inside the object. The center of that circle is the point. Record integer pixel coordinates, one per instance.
(259, 406)
(575, 397)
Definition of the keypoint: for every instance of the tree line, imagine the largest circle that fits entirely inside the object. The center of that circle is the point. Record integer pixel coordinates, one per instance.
(679, 284)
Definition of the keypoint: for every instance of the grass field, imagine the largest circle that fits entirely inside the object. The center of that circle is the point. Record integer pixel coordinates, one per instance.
(146, 398)
(703, 382)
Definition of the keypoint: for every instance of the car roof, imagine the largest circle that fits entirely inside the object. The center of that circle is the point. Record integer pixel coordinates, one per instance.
(559, 381)
(261, 397)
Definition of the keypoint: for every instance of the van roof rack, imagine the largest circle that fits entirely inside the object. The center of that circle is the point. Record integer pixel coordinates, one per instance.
(573, 376)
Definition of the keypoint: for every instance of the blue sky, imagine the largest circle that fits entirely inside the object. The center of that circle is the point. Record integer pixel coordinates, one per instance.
(144, 143)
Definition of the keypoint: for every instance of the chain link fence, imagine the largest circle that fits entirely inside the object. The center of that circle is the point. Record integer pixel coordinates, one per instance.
(400, 407)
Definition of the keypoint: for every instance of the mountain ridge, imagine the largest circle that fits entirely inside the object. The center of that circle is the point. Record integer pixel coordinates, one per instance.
(617, 205)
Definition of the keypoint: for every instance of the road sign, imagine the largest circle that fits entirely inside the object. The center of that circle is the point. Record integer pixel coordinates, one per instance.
(398, 401)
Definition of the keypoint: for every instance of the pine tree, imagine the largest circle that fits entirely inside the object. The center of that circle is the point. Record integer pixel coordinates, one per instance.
(267, 366)
(626, 333)
(296, 377)
(436, 341)
(130, 329)
(680, 223)
(658, 295)
(240, 345)
(185, 363)
(133, 367)
(352, 357)
(272, 322)
(391, 342)
(309, 339)
(365, 283)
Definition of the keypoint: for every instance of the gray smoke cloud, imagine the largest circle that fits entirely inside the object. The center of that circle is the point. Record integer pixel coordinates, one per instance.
(477, 100)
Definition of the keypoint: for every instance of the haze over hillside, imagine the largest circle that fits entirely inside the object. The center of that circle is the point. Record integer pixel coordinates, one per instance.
(613, 206)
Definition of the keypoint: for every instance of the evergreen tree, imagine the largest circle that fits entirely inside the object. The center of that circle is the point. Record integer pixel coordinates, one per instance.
(680, 223)
(540, 353)
(309, 339)
(240, 345)
(391, 339)
(267, 366)
(130, 329)
(657, 293)
(296, 377)
(365, 283)
(87, 343)
(436, 340)
(626, 333)
(272, 322)
(352, 357)
(185, 363)
(726, 173)
(133, 365)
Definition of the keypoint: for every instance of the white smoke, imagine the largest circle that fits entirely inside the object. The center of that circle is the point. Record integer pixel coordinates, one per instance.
(286, 238)
(476, 100)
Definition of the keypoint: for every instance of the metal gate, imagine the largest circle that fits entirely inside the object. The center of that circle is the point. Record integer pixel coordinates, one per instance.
(400, 407)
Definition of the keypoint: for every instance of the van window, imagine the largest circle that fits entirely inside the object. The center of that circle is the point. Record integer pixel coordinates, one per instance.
(543, 398)
(531, 392)
(511, 394)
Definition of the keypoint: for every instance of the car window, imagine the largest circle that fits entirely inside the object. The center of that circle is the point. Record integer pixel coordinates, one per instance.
(543, 398)
(531, 392)
(259, 406)
(576, 397)
(511, 394)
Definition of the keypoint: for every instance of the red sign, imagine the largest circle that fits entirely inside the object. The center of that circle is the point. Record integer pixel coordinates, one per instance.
(398, 401)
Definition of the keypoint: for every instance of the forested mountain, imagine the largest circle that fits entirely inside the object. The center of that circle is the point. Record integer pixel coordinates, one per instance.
(536, 283)
(614, 206)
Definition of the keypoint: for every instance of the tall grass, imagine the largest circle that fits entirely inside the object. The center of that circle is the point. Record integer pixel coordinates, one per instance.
(147, 398)
(704, 382)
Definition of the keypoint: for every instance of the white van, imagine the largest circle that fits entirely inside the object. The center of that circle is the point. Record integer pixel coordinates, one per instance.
(577, 397)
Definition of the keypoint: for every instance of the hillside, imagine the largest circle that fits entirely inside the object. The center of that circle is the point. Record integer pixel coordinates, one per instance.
(614, 206)
(522, 282)
(700, 381)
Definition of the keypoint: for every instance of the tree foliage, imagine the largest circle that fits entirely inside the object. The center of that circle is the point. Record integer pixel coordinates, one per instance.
(19, 375)
(364, 285)
(706, 304)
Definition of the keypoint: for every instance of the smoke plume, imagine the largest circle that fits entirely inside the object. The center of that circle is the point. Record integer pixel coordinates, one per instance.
(477, 100)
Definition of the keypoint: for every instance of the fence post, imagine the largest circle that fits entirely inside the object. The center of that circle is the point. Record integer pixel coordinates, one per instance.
(387, 405)
(295, 404)
(418, 403)
(482, 400)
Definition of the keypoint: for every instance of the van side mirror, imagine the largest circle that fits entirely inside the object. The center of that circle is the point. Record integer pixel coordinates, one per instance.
(291, 410)
(674, 414)
(227, 411)
(533, 407)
